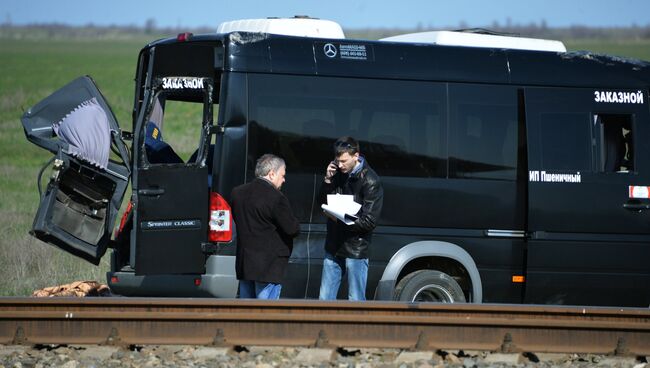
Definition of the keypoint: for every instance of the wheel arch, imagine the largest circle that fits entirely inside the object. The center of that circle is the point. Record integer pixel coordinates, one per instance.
(415, 252)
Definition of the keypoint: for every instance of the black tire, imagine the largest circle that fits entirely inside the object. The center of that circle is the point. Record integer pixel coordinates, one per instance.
(429, 286)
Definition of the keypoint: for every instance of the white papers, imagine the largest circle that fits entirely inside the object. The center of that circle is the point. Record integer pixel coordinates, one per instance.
(342, 206)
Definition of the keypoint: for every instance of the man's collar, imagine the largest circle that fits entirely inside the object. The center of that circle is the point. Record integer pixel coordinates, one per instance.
(266, 181)
(358, 166)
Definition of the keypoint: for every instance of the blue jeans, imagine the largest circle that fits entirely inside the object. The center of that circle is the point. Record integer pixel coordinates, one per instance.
(259, 290)
(333, 270)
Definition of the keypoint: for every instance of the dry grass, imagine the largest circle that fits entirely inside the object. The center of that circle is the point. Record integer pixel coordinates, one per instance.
(27, 264)
(31, 70)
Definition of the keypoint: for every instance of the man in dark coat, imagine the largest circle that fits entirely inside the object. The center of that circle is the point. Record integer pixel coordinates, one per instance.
(266, 227)
(346, 246)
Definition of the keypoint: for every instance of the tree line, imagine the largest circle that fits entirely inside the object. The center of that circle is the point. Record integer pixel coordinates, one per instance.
(577, 32)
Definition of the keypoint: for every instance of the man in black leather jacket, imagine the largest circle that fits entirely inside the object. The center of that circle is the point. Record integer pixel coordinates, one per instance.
(346, 246)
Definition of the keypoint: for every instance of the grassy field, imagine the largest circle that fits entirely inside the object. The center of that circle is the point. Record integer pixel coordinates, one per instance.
(31, 70)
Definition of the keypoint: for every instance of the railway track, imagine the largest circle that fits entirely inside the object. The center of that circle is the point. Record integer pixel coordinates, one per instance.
(502, 328)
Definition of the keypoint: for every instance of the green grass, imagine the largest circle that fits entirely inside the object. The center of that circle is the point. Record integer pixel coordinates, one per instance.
(31, 70)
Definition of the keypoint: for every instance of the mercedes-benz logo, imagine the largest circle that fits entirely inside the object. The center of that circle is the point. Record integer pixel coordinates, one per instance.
(329, 50)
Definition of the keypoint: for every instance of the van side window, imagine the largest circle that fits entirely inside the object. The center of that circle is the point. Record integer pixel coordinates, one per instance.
(400, 125)
(407, 144)
(614, 137)
(566, 141)
(483, 132)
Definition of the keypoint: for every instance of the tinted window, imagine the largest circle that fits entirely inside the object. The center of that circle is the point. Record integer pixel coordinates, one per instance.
(615, 143)
(565, 141)
(400, 125)
(483, 132)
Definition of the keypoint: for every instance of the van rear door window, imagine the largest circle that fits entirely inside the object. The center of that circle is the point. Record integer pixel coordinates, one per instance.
(173, 131)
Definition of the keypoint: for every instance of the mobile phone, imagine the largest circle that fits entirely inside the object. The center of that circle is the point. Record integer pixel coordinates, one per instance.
(336, 164)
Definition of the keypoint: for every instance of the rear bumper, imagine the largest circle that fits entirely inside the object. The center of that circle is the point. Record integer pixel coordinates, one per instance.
(219, 281)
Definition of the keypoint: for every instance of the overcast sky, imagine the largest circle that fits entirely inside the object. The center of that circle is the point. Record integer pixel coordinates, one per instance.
(349, 13)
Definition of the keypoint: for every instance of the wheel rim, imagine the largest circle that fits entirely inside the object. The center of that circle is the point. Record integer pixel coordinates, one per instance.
(433, 293)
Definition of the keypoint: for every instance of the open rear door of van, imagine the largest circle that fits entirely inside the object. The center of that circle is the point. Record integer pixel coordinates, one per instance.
(90, 169)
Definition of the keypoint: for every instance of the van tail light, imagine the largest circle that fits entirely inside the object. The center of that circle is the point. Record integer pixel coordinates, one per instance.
(124, 219)
(220, 229)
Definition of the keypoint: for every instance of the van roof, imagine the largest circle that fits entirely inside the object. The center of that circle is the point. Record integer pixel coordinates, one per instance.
(420, 61)
(473, 39)
(299, 25)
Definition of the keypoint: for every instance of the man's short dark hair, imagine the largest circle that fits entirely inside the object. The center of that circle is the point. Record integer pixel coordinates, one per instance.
(346, 144)
(267, 163)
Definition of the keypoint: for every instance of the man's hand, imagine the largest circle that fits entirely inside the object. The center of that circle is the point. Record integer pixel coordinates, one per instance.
(330, 171)
(330, 216)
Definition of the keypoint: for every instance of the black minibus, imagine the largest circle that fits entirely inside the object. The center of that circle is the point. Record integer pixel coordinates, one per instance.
(510, 175)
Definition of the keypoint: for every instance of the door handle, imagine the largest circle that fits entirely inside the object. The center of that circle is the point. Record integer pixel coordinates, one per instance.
(506, 233)
(151, 192)
(636, 206)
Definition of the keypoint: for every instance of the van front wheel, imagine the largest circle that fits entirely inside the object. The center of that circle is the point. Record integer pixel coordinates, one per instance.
(429, 286)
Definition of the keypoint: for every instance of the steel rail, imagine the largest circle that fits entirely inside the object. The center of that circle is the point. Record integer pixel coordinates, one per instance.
(422, 326)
